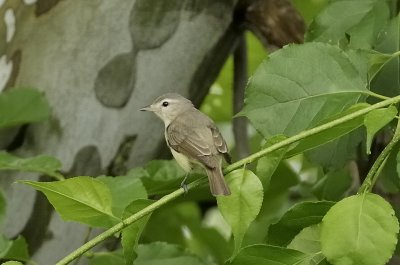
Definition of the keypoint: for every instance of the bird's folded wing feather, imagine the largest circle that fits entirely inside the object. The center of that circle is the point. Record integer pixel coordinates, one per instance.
(189, 141)
(219, 142)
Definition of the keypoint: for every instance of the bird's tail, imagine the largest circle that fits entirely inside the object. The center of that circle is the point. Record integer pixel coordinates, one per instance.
(218, 185)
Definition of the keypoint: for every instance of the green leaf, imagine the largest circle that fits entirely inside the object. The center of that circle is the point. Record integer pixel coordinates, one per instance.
(14, 249)
(159, 176)
(387, 80)
(376, 120)
(333, 185)
(286, 95)
(267, 164)
(107, 258)
(376, 62)
(207, 242)
(160, 253)
(12, 262)
(307, 241)
(338, 22)
(335, 154)
(361, 229)
(331, 134)
(270, 255)
(243, 205)
(124, 190)
(2, 208)
(81, 199)
(41, 164)
(131, 234)
(22, 105)
(295, 219)
(166, 223)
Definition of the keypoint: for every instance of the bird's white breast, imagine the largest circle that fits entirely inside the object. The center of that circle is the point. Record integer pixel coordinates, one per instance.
(182, 160)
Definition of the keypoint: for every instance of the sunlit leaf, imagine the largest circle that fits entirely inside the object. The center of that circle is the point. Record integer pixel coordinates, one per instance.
(22, 105)
(81, 199)
(124, 190)
(241, 207)
(361, 229)
(42, 164)
(12, 262)
(307, 241)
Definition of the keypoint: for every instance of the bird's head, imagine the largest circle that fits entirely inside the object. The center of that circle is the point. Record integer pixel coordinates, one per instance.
(169, 106)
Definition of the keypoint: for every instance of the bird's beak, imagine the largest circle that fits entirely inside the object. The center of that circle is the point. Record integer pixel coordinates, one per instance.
(148, 108)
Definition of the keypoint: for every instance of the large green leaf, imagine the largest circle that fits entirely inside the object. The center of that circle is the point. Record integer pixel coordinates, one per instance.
(331, 134)
(360, 21)
(160, 253)
(42, 164)
(295, 219)
(270, 255)
(376, 120)
(243, 205)
(81, 199)
(124, 190)
(131, 234)
(286, 95)
(361, 229)
(22, 105)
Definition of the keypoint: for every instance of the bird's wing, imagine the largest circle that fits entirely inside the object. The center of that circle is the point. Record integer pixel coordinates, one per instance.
(219, 142)
(191, 142)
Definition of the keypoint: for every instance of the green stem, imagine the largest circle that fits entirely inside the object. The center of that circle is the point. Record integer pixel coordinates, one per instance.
(379, 163)
(169, 197)
(375, 95)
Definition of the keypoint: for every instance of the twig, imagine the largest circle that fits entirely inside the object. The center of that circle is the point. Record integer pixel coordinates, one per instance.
(239, 85)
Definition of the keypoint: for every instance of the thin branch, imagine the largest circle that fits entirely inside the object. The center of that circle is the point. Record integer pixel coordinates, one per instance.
(172, 196)
(239, 85)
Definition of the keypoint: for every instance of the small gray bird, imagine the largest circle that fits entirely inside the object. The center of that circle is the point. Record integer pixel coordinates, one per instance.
(192, 138)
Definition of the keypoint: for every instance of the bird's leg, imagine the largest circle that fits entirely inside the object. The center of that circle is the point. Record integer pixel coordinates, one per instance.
(183, 183)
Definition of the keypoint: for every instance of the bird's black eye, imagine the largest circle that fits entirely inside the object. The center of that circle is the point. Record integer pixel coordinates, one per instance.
(165, 103)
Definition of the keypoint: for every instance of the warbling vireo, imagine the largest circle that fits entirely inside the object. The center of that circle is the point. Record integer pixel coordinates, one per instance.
(192, 138)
